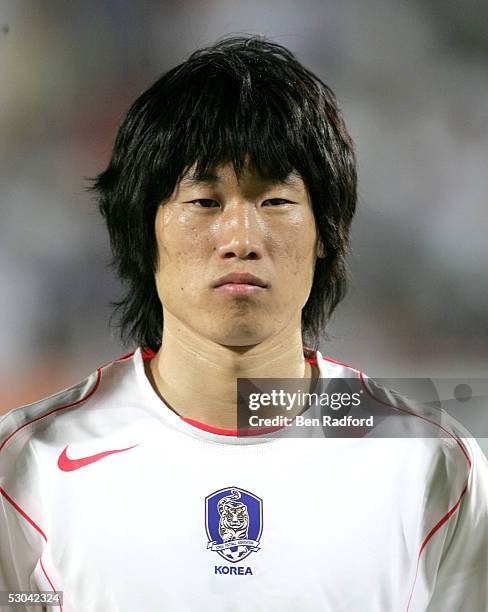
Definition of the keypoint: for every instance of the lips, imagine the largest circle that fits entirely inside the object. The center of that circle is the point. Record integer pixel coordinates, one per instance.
(240, 278)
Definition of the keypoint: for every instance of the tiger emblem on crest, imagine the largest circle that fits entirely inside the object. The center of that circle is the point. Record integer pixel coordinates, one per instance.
(234, 521)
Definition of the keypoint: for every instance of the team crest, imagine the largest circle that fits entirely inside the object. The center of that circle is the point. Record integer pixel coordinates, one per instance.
(234, 523)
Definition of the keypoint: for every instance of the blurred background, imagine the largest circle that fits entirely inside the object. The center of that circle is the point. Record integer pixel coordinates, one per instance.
(412, 80)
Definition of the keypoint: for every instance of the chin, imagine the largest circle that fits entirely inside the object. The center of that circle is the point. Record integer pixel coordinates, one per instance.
(241, 335)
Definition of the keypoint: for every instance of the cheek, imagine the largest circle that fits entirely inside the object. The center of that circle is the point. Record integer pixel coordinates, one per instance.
(179, 241)
(182, 256)
(297, 251)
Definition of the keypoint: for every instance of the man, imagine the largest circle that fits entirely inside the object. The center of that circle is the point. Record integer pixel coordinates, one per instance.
(228, 200)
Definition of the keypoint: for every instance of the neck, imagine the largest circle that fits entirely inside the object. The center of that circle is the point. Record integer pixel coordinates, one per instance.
(196, 377)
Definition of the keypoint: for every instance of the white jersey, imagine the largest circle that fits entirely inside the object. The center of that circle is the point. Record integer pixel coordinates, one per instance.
(112, 498)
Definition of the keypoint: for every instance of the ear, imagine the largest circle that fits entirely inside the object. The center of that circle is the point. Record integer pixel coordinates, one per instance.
(320, 250)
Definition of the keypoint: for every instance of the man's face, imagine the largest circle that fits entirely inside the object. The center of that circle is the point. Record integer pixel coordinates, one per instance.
(220, 226)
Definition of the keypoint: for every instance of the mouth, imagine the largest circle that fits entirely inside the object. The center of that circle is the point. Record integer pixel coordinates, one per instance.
(239, 289)
(239, 283)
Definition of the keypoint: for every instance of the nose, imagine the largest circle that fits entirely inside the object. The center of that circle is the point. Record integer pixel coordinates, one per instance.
(240, 234)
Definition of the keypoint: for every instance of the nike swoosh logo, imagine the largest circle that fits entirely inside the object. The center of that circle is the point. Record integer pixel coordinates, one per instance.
(68, 465)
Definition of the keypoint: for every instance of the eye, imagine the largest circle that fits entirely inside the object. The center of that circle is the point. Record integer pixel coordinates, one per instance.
(205, 203)
(276, 202)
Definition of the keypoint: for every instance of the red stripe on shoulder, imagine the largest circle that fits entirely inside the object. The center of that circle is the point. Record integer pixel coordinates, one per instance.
(419, 416)
(42, 416)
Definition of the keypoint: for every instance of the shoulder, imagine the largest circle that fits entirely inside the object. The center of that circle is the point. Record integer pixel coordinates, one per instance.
(32, 437)
(439, 436)
(45, 420)
(439, 464)
(424, 438)
(24, 421)
(450, 468)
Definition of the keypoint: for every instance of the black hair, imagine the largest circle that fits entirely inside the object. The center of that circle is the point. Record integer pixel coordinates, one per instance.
(243, 98)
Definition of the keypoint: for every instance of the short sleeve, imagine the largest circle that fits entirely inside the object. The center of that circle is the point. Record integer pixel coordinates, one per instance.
(21, 538)
(461, 582)
(18, 554)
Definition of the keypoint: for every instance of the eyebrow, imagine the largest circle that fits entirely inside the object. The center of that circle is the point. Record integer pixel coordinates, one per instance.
(212, 179)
